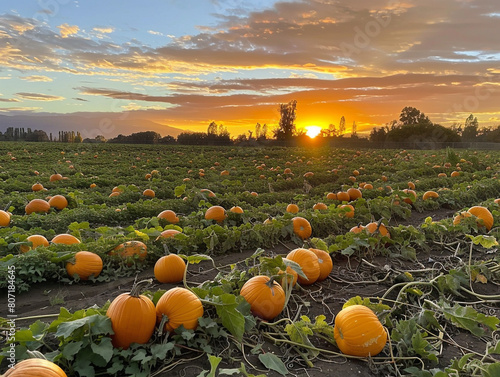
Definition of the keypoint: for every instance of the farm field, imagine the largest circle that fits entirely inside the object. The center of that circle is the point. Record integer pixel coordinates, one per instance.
(413, 236)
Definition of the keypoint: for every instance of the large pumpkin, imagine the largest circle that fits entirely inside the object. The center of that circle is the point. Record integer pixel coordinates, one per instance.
(308, 262)
(38, 206)
(168, 233)
(4, 218)
(484, 214)
(301, 227)
(358, 331)
(85, 265)
(133, 317)
(58, 202)
(36, 240)
(354, 193)
(216, 213)
(170, 269)
(325, 263)
(265, 296)
(169, 216)
(130, 249)
(35, 368)
(382, 229)
(181, 307)
(65, 238)
(292, 208)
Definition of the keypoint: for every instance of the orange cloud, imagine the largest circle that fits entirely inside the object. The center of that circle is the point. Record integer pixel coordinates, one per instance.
(67, 30)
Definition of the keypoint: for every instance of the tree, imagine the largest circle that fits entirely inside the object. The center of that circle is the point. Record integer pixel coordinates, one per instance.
(258, 129)
(341, 126)
(471, 129)
(332, 130)
(212, 129)
(354, 131)
(286, 127)
(263, 132)
(412, 115)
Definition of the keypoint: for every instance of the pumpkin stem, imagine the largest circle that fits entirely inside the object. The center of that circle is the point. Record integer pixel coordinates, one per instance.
(138, 287)
(165, 248)
(161, 326)
(36, 355)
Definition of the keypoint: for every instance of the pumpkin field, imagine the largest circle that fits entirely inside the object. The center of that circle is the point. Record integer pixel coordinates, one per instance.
(155, 260)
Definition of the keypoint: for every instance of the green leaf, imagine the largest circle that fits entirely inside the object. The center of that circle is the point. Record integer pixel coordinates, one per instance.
(468, 318)
(214, 363)
(179, 190)
(483, 240)
(273, 362)
(71, 349)
(376, 307)
(104, 349)
(195, 258)
(493, 369)
(160, 351)
(231, 318)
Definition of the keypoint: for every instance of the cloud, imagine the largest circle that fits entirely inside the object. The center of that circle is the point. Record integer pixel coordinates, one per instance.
(19, 109)
(152, 32)
(67, 30)
(104, 30)
(9, 100)
(39, 97)
(37, 78)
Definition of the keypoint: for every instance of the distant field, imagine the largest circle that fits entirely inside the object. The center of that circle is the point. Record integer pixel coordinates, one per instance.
(431, 274)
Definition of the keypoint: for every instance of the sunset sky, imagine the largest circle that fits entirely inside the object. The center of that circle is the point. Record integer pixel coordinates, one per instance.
(187, 63)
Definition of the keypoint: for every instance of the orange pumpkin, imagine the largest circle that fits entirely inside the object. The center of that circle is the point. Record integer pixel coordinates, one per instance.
(484, 214)
(382, 229)
(65, 238)
(412, 196)
(292, 278)
(343, 196)
(149, 193)
(181, 307)
(55, 177)
(36, 240)
(37, 206)
(236, 209)
(292, 208)
(331, 196)
(131, 249)
(325, 263)
(170, 269)
(430, 194)
(354, 193)
(210, 193)
(216, 213)
(348, 210)
(411, 185)
(4, 218)
(357, 229)
(37, 187)
(301, 227)
(86, 264)
(455, 173)
(35, 368)
(320, 207)
(168, 233)
(169, 215)
(308, 262)
(358, 331)
(265, 296)
(133, 317)
(58, 202)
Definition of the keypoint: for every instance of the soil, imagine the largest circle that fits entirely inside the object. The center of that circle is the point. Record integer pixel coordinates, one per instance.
(326, 298)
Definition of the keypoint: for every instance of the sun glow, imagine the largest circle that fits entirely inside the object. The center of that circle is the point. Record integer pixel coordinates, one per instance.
(313, 131)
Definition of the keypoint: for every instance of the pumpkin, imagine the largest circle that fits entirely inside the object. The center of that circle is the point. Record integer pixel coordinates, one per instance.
(368, 186)
(343, 196)
(412, 196)
(169, 215)
(133, 317)
(442, 175)
(358, 331)
(168, 233)
(292, 208)
(36, 240)
(37, 187)
(55, 177)
(37, 206)
(35, 368)
(497, 201)
(411, 185)
(357, 229)
(224, 172)
(309, 174)
(308, 262)
(181, 307)
(114, 193)
(331, 196)
(301, 227)
(210, 193)
(93, 185)
(293, 275)
(455, 173)
(216, 213)
(430, 194)
(325, 263)
(347, 210)
(58, 202)
(149, 193)
(4, 218)
(484, 214)
(117, 189)
(130, 249)
(86, 264)
(65, 238)
(236, 209)
(382, 229)
(170, 269)
(265, 296)
(320, 207)
(354, 193)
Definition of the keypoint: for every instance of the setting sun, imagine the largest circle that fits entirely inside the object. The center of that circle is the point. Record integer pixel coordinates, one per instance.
(313, 131)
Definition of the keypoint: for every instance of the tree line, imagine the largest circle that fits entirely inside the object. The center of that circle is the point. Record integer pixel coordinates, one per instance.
(412, 126)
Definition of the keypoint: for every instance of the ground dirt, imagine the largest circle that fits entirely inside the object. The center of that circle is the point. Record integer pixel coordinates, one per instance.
(327, 297)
